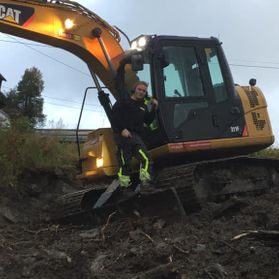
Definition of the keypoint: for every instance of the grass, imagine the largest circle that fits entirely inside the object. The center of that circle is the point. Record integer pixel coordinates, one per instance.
(270, 152)
(21, 148)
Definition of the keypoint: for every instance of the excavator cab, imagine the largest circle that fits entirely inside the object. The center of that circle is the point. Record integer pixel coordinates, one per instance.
(201, 112)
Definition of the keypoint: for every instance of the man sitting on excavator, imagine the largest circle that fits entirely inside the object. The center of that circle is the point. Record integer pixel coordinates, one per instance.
(129, 118)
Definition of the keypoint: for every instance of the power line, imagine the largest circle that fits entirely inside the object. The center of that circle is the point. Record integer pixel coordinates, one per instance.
(28, 44)
(71, 107)
(75, 69)
(75, 102)
(61, 99)
(254, 66)
(50, 57)
(254, 61)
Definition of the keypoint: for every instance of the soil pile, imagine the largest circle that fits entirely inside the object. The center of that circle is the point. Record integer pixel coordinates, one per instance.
(137, 247)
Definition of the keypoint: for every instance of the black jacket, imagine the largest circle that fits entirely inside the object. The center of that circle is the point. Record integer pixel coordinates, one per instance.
(130, 114)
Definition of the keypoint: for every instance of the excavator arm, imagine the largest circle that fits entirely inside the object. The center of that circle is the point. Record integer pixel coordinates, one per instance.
(67, 25)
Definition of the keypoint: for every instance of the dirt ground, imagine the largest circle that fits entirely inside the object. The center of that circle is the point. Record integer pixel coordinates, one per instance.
(138, 247)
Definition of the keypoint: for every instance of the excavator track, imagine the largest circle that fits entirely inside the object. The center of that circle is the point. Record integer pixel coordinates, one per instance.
(181, 180)
(179, 190)
(219, 179)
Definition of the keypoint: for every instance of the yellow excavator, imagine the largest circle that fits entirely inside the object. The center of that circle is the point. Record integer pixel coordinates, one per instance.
(204, 126)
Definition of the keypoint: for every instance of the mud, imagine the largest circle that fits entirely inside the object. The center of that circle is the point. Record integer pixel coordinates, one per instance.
(199, 246)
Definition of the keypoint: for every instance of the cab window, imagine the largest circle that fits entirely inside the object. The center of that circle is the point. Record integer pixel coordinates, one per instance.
(216, 76)
(182, 75)
(132, 77)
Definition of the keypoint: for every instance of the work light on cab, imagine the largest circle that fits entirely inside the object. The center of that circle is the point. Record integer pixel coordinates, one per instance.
(140, 42)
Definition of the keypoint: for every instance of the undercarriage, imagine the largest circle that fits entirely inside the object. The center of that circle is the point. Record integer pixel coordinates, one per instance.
(178, 190)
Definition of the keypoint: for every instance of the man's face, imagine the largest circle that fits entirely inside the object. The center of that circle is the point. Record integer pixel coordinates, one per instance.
(140, 92)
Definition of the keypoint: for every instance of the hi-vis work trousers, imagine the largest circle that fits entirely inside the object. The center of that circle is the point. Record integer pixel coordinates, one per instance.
(128, 148)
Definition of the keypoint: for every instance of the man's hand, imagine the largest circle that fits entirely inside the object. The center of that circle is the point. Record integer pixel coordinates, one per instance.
(126, 134)
(154, 103)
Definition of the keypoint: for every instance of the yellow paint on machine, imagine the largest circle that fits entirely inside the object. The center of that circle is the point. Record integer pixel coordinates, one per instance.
(100, 144)
(255, 111)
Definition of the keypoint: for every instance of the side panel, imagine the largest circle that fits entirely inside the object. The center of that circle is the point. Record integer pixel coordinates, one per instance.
(255, 111)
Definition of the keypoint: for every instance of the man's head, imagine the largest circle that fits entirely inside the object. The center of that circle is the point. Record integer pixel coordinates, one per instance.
(139, 90)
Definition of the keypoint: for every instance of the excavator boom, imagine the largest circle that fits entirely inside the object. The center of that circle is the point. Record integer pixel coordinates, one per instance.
(67, 25)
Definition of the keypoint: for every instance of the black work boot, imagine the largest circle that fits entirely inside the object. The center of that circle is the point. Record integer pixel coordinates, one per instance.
(128, 192)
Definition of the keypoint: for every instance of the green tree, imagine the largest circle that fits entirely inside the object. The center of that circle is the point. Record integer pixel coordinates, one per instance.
(3, 100)
(26, 100)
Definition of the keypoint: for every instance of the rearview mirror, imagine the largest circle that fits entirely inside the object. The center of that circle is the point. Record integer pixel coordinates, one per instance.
(164, 58)
(137, 62)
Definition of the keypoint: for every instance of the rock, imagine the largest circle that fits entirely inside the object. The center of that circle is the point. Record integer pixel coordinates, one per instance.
(58, 255)
(98, 263)
(65, 188)
(59, 172)
(229, 208)
(178, 239)
(163, 249)
(33, 190)
(160, 271)
(252, 250)
(162, 245)
(200, 248)
(217, 271)
(159, 224)
(134, 250)
(26, 273)
(8, 214)
(220, 268)
(135, 235)
(90, 233)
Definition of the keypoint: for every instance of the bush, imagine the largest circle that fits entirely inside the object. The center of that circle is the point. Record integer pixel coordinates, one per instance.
(21, 148)
(268, 152)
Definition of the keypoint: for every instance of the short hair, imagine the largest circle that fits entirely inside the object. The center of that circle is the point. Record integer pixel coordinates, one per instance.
(140, 82)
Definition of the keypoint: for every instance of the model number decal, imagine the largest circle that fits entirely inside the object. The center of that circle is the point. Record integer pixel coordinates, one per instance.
(15, 13)
(234, 129)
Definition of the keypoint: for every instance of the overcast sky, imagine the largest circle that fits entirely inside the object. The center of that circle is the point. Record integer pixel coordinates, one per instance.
(248, 30)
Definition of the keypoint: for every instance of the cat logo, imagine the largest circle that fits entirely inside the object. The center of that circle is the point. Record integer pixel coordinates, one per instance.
(16, 14)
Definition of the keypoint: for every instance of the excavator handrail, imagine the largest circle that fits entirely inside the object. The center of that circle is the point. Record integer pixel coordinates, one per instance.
(76, 7)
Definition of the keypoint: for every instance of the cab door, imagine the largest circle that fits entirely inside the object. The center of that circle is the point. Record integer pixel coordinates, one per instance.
(195, 91)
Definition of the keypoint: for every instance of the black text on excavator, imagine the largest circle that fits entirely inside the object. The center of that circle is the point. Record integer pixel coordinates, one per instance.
(203, 121)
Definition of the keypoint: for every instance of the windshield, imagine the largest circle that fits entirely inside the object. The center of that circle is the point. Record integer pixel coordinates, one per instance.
(182, 83)
(182, 75)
